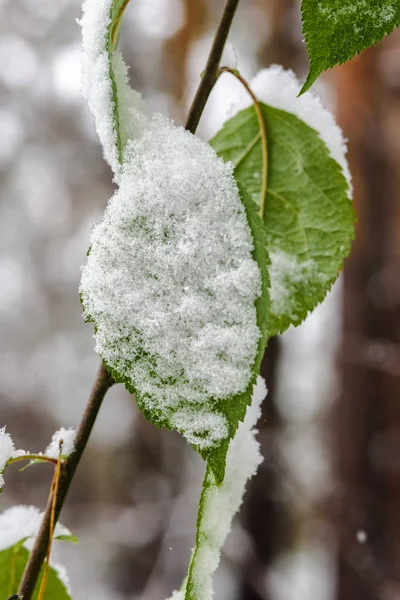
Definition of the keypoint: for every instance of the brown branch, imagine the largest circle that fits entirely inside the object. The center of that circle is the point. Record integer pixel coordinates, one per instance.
(32, 571)
(211, 72)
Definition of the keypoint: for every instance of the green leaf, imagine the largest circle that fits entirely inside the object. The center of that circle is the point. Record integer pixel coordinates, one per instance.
(12, 564)
(336, 30)
(67, 538)
(308, 215)
(116, 12)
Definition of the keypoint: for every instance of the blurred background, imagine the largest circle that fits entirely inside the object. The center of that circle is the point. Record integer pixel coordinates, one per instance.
(321, 521)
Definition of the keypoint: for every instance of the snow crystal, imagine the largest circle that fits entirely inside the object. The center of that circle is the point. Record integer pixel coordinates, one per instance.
(285, 272)
(64, 440)
(133, 111)
(170, 280)
(96, 80)
(362, 8)
(279, 88)
(201, 428)
(222, 502)
(7, 448)
(62, 576)
(7, 451)
(20, 522)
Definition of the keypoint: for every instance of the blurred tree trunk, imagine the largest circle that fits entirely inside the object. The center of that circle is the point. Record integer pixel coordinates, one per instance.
(367, 414)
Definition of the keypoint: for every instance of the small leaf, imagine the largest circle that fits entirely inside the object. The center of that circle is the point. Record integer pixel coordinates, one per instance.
(308, 216)
(337, 30)
(12, 565)
(67, 538)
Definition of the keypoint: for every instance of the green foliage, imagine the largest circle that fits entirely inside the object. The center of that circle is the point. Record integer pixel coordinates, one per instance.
(337, 30)
(308, 216)
(12, 564)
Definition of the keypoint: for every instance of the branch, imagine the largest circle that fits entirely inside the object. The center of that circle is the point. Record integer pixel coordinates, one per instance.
(211, 72)
(32, 571)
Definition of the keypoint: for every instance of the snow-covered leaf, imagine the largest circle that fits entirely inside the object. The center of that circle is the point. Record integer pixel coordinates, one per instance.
(219, 503)
(175, 281)
(18, 526)
(337, 30)
(308, 214)
(12, 565)
(21, 523)
(7, 451)
(172, 282)
(116, 108)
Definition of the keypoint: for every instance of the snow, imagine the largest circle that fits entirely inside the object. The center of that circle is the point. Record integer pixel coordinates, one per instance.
(7, 448)
(62, 443)
(20, 522)
(62, 576)
(96, 80)
(170, 280)
(133, 111)
(220, 503)
(285, 272)
(361, 9)
(7, 451)
(279, 88)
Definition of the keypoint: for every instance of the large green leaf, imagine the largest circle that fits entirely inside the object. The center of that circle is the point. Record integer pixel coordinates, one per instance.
(337, 30)
(12, 564)
(308, 215)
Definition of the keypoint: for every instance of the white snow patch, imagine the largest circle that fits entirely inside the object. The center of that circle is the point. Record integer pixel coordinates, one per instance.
(379, 14)
(279, 88)
(7, 451)
(21, 522)
(222, 502)
(62, 443)
(96, 80)
(285, 272)
(62, 576)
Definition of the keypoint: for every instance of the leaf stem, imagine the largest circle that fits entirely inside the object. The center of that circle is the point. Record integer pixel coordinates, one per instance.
(211, 72)
(32, 457)
(263, 132)
(67, 471)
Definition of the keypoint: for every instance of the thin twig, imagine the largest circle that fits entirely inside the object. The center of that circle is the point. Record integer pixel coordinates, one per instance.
(263, 131)
(211, 71)
(32, 571)
(32, 457)
(54, 494)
